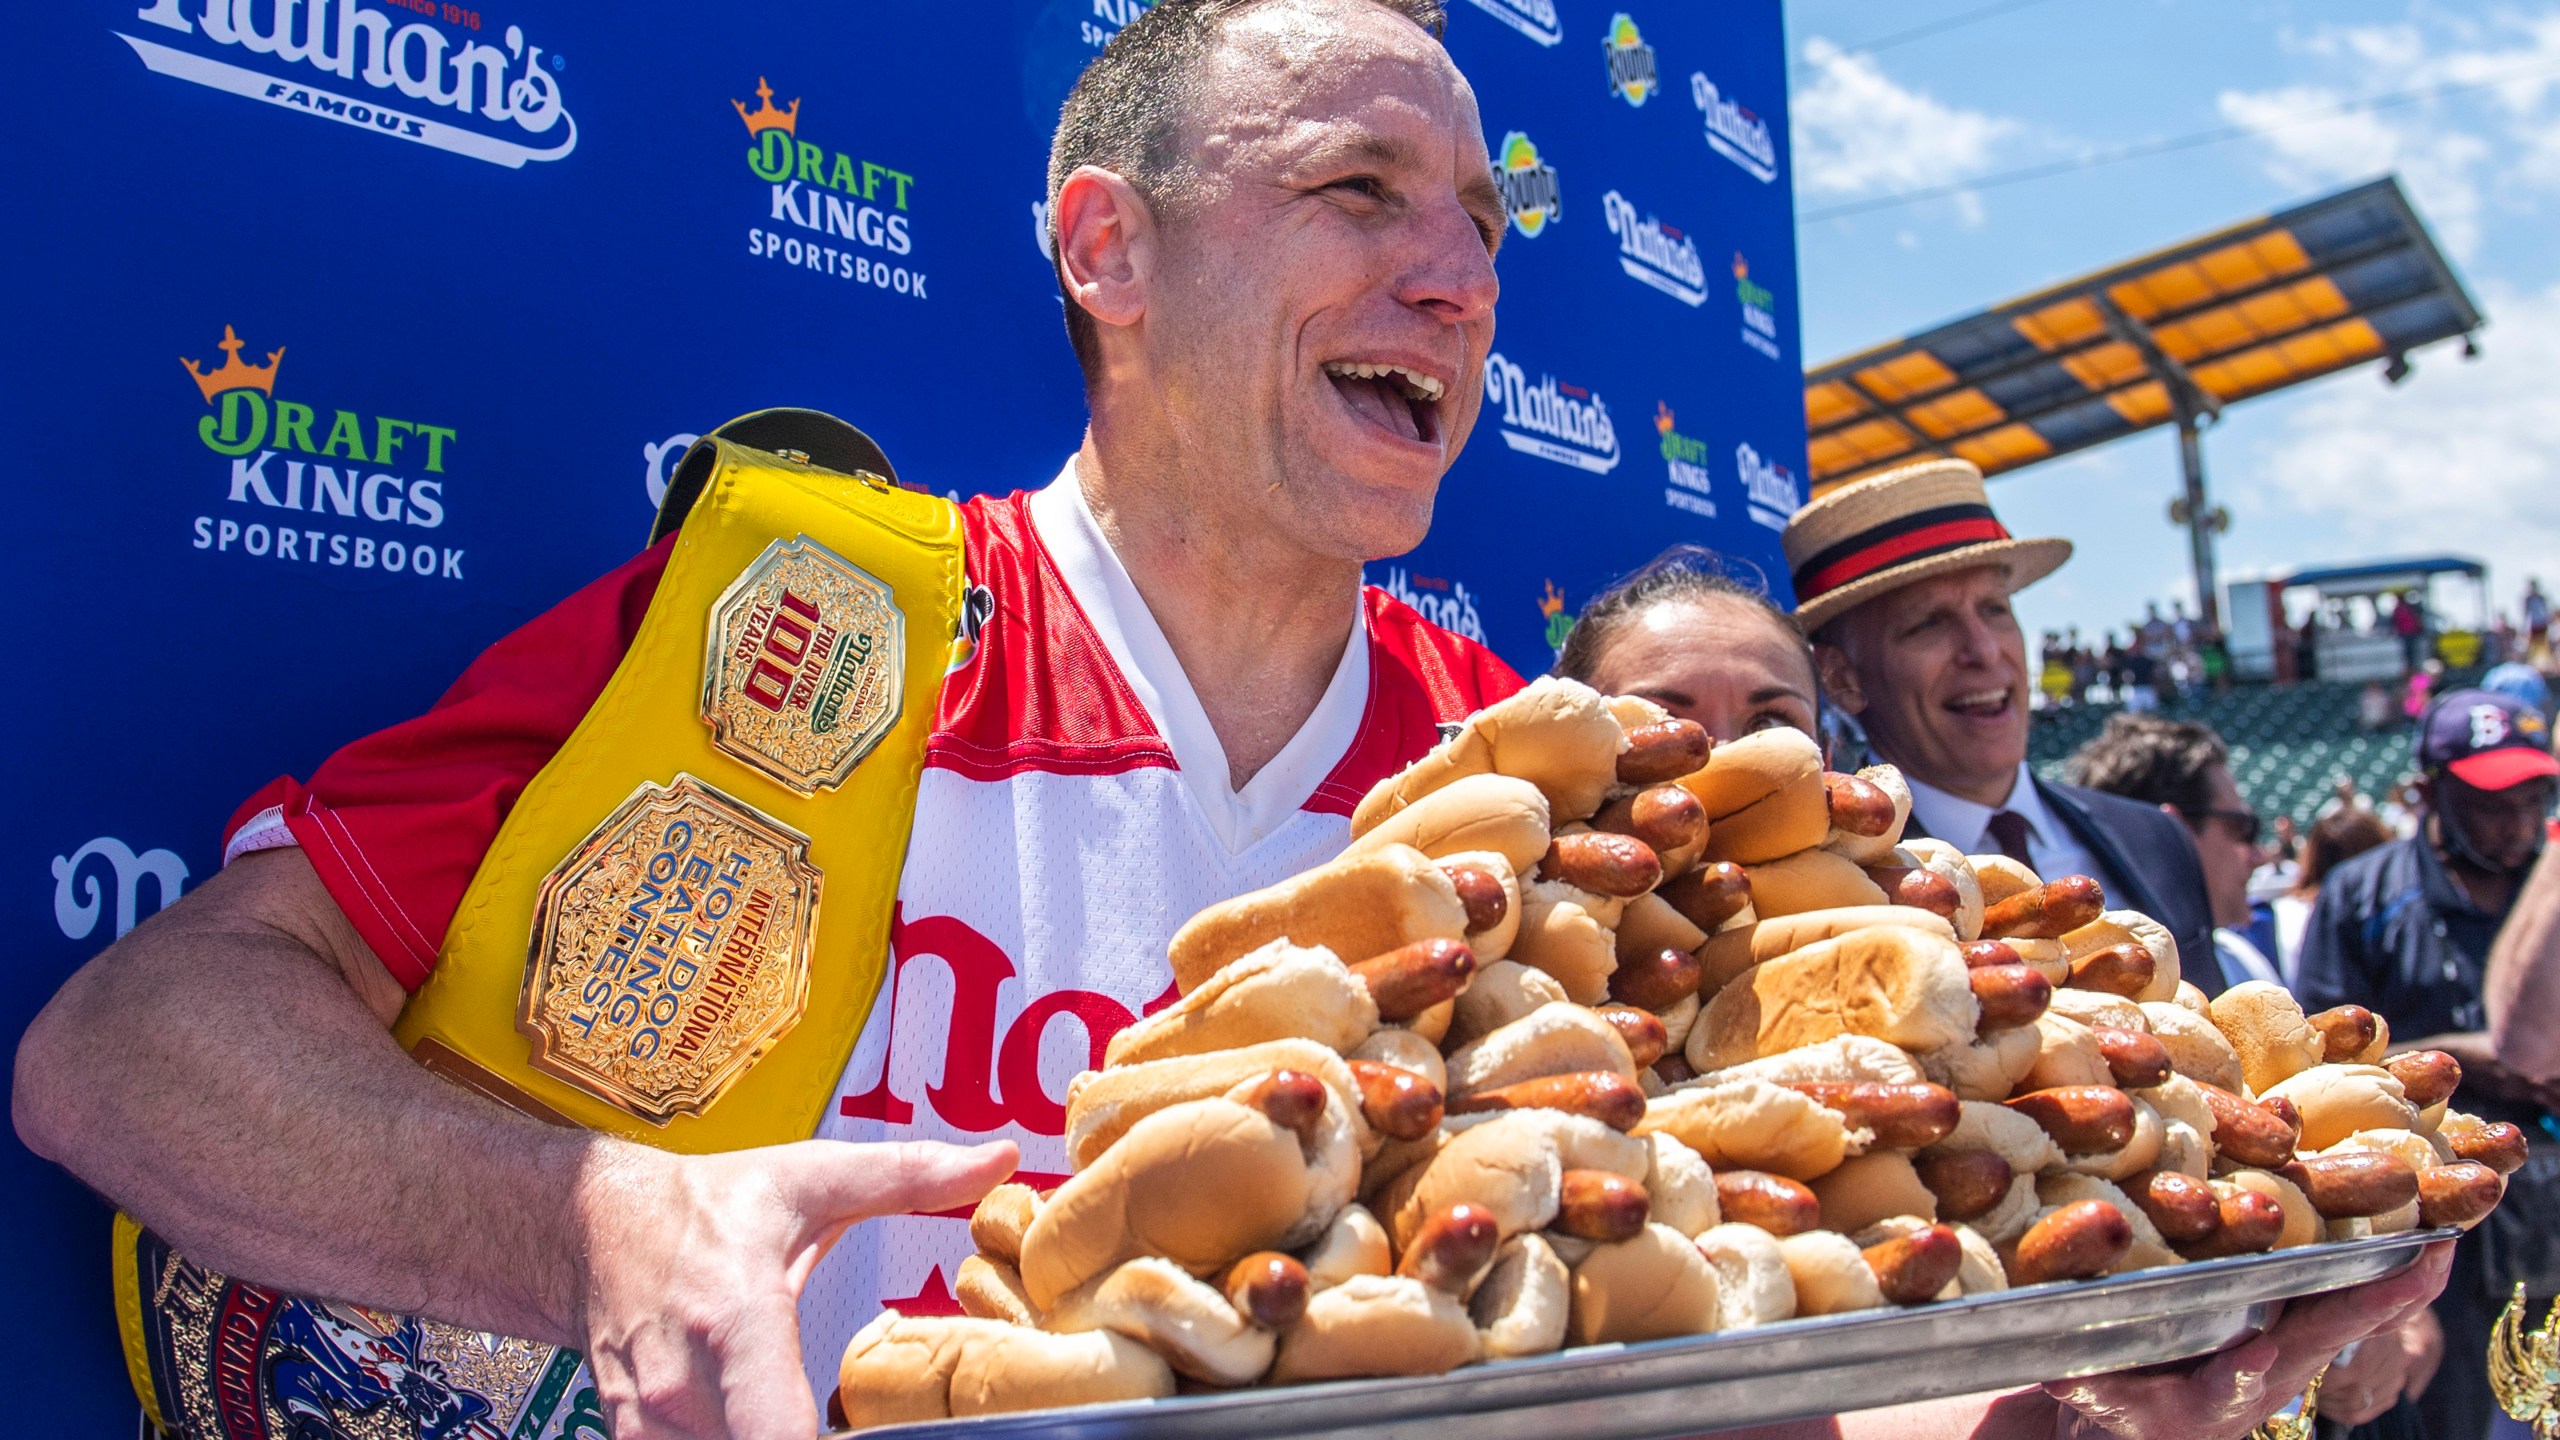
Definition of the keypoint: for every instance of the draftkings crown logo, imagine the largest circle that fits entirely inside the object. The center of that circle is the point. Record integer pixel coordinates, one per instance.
(231, 374)
(1559, 621)
(1759, 309)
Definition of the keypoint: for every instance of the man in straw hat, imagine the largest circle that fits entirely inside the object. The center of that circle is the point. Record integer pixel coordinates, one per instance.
(1903, 580)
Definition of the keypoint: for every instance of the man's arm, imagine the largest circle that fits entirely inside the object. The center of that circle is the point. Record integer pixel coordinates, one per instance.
(2523, 983)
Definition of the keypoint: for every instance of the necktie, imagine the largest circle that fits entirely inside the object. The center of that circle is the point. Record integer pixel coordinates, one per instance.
(2009, 832)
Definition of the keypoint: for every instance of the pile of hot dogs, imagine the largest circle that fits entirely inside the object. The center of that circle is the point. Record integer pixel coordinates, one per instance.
(1599, 1033)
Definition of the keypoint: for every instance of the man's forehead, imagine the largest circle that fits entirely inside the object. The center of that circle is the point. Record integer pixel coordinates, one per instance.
(1302, 71)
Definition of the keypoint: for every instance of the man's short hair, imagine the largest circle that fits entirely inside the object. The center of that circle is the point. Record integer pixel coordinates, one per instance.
(2157, 761)
(1127, 110)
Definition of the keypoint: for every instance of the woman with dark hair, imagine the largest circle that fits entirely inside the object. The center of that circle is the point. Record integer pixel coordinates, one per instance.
(1693, 637)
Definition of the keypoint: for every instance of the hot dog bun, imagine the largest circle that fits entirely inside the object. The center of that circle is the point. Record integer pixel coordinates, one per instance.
(1651, 1287)
(1281, 991)
(1763, 795)
(1524, 1301)
(1810, 880)
(1103, 1104)
(1550, 1040)
(1563, 932)
(1892, 982)
(1356, 906)
(1940, 858)
(2121, 927)
(1868, 1188)
(1559, 735)
(1753, 1286)
(2336, 1101)
(1754, 1125)
(1875, 849)
(2196, 1048)
(1376, 1325)
(2267, 1029)
(901, 1369)
(1501, 813)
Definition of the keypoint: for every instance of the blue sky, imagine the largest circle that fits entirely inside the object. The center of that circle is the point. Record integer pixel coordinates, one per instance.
(2464, 456)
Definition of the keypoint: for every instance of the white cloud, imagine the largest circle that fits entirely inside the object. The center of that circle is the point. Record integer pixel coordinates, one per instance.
(1859, 132)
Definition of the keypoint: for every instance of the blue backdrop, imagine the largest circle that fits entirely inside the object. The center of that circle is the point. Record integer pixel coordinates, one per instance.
(341, 351)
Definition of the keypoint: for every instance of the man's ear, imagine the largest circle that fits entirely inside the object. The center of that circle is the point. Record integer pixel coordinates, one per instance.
(1839, 678)
(1106, 244)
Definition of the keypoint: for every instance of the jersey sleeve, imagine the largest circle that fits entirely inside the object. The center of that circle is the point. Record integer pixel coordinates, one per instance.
(396, 823)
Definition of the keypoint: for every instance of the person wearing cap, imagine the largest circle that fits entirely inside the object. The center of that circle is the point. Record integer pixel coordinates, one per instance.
(2406, 930)
(1903, 582)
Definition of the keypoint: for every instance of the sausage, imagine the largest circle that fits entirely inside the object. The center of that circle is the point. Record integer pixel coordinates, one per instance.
(1781, 1206)
(2048, 912)
(2136, 1058)
(1412, 978)
(1453, 1249)
(1920, 889)
(2283, 1108)
(1674, 1069)
(2457, 1194)
(1646, 1036)
(2249, 1134)
(2501, 1147)
(2345, 1031)
(1983, 954)
(1858, 807)
(1293, 1099)
(1904, 1117)
(2077, 1241)
(2429, 1077)
(836, 1419)
(1605, 1096)
(2251, 1222)
(1710, 895)
(2353, 1184)
(1968, 1183)
(1269, 1288)
(2082, 1119)
(1656, 981)
(1480, 891)
(2010, 994)
(1601, 1205)
(1664, 750)
(1604, 864)
(2125, 970)
(1915, 1267)
(1666, 817)
(2182, 1208)
(1397, 1103)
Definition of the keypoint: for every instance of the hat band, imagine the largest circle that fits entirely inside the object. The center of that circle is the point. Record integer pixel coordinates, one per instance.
(1916, 536)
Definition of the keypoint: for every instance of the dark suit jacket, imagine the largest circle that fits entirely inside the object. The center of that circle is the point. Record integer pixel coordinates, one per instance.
(2152, 865)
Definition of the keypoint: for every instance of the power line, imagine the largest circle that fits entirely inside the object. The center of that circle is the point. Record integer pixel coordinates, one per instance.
(1938, 27)
(2146, 148)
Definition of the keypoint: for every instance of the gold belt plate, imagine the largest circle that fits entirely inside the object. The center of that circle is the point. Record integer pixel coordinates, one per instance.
(670, 950)
(803, 671)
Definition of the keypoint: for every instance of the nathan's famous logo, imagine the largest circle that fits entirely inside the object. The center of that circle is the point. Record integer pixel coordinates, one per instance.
(491, 97)
(1655, 253)
(1533, 18)
(1632, 77)
(1443, 602)
(1734, 132)
(363, 469)
(1528, 184)
(1551, 420)
(829, 193)
(1684, 463)
(1772, 488)
(1759, 309)
(1559, 621)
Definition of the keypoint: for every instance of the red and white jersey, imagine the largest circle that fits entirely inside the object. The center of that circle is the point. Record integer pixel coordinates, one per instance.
(1074, 811)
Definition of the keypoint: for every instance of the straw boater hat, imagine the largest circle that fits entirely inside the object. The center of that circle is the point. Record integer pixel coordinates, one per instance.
(1886, 531)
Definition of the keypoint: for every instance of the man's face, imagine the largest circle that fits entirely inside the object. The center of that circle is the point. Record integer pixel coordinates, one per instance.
(1319, 326)
(2227, 847)
(2501, 824)
(1940, 672)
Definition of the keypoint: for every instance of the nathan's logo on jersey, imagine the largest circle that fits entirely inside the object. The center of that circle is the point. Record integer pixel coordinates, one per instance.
(369, 486)
(1772, 488)
(1533, 18)
(1734, 132)
(825, 197)
(1443, 602)
(1559, 620)
(1684, 462)
(1551, 420)
(1632, 77)
(1659, 255)
(432, 81)
(1759, 309)
(1528, 184)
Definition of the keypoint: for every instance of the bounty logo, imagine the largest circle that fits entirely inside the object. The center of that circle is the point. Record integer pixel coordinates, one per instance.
(1533, 18)
(1563, 423)
(1528, 184)
(1771, 487)
(1759, 309)
(1734, 132)
(1444, 603)
(495, 97)
(1632, 77)
(1684, 461)
(833, 195)
(370, 485)
(1655, 253)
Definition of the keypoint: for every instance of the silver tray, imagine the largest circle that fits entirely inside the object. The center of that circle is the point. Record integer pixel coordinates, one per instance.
(1794, 1370)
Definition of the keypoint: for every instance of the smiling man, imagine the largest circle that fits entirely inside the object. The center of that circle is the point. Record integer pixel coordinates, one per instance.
(1903, 581)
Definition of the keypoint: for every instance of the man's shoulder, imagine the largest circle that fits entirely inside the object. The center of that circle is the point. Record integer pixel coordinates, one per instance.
(2129, 820)
(2363, 880)
(1457, 674)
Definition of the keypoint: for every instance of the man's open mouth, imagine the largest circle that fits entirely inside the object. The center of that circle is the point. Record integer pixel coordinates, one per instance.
(1981, 704)
(1404, 403)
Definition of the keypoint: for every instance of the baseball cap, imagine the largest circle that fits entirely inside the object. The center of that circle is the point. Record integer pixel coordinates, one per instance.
(2487, 740)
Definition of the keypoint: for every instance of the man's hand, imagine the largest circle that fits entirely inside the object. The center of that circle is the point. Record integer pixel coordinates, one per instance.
(2384, 1367)
(2224, 1396)
(695, 1265)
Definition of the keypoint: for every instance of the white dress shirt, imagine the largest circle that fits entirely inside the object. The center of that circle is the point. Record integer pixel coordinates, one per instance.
(2052, 850)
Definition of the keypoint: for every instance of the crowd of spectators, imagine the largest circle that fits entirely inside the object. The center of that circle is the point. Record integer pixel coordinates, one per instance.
(2159, 658)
